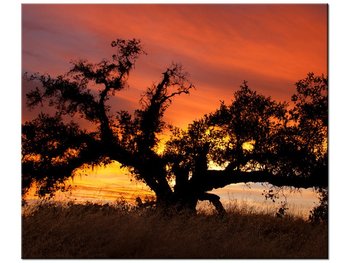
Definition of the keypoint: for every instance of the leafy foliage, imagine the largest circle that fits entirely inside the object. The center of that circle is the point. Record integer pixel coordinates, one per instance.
(250, 123)
(129, 139)
(320, 212)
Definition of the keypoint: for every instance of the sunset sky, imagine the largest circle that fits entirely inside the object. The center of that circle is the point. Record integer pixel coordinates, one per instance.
(270, 46)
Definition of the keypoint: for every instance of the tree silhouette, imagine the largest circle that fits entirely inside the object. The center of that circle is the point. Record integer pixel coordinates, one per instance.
(254, 139)
(310, 113)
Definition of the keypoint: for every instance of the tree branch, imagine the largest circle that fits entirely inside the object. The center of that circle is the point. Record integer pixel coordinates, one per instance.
(218, 179)
(215, 200)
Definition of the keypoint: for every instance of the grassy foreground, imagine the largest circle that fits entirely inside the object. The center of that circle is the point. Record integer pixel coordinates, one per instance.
(97, 231)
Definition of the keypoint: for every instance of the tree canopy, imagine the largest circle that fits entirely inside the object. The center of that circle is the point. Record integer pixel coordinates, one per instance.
(251, 139)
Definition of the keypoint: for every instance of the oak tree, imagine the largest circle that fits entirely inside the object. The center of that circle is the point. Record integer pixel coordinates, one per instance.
(253, 139)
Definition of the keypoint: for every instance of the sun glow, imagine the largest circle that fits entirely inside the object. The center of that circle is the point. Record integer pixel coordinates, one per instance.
(248, 146)
(101, 183)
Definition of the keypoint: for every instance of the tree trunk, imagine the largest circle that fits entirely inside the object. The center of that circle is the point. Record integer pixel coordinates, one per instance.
(215, 200)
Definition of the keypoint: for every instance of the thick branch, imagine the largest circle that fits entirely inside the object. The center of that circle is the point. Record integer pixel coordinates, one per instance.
(217, 179)
(106, 131)
(215, 200)
(156, 100)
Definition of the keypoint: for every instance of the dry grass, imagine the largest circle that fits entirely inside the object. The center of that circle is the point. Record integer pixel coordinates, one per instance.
(96, 231)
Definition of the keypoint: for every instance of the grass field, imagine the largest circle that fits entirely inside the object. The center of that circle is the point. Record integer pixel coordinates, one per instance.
(96, 231)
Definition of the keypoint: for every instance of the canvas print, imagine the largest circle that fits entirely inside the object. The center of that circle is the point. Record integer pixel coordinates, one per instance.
(174, 131)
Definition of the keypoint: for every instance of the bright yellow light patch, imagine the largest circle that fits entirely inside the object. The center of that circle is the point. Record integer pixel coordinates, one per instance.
(248, 146)
(101, 184)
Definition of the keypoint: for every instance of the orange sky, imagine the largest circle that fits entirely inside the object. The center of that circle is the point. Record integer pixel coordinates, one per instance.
(271, 46)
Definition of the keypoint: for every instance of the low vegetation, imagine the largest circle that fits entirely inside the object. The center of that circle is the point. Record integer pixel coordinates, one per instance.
(77, 231)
